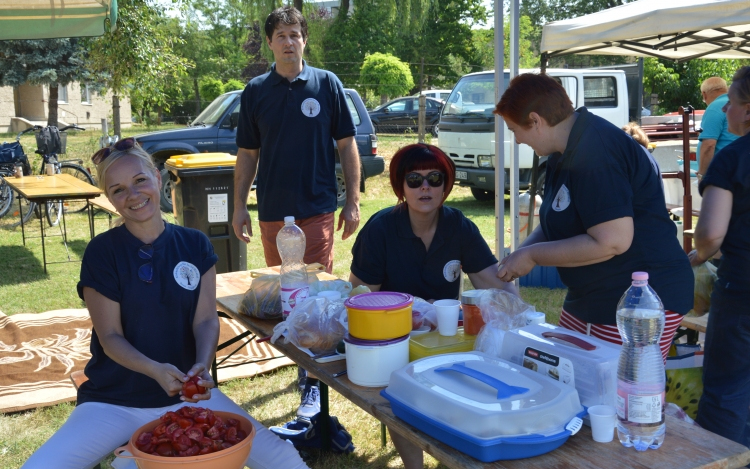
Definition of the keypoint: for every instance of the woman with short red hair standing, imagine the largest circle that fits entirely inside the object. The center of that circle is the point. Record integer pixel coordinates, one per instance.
(420, 246)
(602, 217)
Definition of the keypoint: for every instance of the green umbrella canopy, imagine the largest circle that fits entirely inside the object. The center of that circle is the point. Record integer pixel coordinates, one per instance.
(47, 19)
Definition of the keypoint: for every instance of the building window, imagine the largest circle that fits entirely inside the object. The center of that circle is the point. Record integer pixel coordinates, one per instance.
(62, 94)
(85, 94)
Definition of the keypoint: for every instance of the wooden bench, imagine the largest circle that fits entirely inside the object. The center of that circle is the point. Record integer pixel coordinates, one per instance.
(102, 203)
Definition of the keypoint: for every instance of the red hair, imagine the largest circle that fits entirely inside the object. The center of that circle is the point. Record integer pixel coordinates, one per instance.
(530, 92)
(418, 157)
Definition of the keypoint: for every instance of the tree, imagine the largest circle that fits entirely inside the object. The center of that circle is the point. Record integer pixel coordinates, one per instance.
(484, 43)
(386, 75)
(210, 89)
(138, 57)
(253, 47)
(49, 62)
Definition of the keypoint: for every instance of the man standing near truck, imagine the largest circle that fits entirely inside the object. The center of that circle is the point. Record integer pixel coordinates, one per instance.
(288, 120)
(714, 135)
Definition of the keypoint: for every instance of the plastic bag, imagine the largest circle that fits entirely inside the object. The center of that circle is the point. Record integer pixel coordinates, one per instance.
(341, 286)
(423, 314)
(262, 299)
(705, 276)
(685, 378)
(501, 312)
(316, 324)
(359, 290)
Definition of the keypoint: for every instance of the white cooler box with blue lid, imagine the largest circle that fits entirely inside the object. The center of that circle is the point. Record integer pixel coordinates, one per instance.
(588, 363)
(484, 406)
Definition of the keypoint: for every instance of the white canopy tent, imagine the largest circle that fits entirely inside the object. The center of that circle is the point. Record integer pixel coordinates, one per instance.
(671, 29)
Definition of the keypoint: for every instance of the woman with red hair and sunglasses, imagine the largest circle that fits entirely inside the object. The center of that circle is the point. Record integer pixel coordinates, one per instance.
(420, 246)
(603, 215)
(150, 288)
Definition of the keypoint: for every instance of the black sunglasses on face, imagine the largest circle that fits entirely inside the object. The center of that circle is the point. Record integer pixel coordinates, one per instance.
(434, 179)
(146, 271)
(120, 145)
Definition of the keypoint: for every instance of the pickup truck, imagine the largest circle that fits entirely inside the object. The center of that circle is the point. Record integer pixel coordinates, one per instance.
(215, 130)
(467, 125)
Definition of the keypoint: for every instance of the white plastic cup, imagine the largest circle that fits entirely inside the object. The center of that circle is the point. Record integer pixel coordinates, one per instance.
(447, 316)
(603, 420)
(535, 317)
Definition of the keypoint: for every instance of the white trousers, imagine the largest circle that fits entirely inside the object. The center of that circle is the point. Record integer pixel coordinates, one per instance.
(94, 430)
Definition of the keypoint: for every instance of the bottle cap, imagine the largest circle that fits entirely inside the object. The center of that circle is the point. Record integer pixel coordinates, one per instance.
(640, 276)
(288, 219)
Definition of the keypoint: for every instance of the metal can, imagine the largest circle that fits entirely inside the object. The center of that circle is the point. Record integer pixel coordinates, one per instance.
(473, 321)
(18, 171)
(50, 168)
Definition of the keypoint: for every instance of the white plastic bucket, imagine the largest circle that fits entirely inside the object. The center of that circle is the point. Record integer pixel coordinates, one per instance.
(371, 362)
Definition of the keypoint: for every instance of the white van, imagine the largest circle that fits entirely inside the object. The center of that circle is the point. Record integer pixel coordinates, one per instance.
(440, 95)
(467, 125)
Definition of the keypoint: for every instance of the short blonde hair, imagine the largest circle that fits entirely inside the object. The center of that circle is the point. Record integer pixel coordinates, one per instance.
(136, 150)
(713, 84)
(635, 131)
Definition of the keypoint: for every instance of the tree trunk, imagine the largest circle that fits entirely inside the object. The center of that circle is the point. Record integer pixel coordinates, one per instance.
(197, 98)
(116, 114)
(52, 106)
(298, 4)
(383, 98)
(344, 9)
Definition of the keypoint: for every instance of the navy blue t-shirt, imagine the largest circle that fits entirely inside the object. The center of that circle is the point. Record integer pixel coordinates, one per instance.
(294, 125)
(157, 317)
(604, 175)
(389, 254)
(730, 170)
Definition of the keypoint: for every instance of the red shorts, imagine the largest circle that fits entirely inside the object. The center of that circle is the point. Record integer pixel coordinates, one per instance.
(319, 231)
(611, 334)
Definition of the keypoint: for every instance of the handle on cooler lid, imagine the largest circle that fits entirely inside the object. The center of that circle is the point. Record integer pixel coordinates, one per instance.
(569, 338)
(503, 390)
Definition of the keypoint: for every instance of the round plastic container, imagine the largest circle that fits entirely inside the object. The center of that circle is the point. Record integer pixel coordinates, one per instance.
(473, 321)
(379, 315)
(230, 458)
(371, 362)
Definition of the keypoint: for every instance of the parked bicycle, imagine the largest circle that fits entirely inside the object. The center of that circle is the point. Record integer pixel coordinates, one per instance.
(48, 148)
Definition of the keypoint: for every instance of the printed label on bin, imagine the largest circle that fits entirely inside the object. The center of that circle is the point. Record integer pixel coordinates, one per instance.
(557, 368)
(218, 208)
(290, 297)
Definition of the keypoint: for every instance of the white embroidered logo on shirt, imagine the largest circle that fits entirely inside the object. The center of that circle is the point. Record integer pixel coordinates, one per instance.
(562, 199)
(310, 107)
(186, 275)
(452, 270)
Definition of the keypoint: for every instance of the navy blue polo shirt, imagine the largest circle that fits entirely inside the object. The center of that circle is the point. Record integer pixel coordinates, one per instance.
(157, 317)
(389, 254)
(604, 175)
(294, 125)
(730, 170)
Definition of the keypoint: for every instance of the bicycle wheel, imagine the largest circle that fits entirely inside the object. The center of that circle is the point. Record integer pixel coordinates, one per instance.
(11, 219)
(54, 210)
(79, 172)
(6, 196)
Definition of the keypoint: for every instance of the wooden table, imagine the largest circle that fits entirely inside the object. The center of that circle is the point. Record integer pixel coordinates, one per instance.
(685, 446)
(695, 323)
(43, 189)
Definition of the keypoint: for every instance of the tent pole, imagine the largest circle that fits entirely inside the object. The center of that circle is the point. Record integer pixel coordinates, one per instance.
(499, 144)
(514, 162)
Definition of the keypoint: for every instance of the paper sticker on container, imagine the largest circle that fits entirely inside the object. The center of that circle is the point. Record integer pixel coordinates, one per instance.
(218, 208)
(557, 368)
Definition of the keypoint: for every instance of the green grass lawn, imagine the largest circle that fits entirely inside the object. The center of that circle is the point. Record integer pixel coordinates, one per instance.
(271, 398)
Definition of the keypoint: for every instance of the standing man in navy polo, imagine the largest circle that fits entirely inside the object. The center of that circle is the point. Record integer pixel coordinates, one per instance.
(289, 118)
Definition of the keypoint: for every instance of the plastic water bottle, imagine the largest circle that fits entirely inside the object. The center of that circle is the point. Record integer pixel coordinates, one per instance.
(640, 372)
(291, 245)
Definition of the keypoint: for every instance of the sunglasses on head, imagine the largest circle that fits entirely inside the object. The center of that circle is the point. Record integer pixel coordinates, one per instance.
(434, 179)
(146, 271)
(120, 145)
